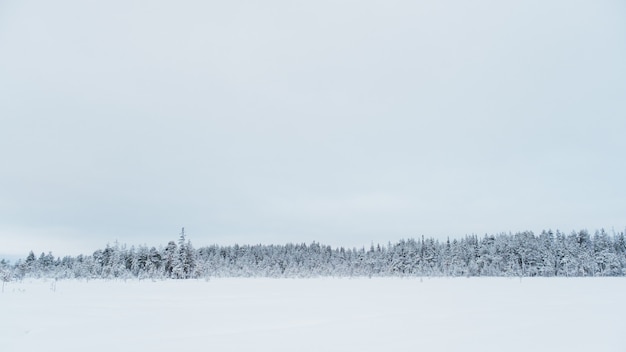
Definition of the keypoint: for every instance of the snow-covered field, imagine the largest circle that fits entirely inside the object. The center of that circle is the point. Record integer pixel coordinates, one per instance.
(461, 314)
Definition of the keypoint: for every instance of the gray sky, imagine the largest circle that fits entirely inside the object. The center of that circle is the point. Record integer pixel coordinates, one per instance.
(343, 122)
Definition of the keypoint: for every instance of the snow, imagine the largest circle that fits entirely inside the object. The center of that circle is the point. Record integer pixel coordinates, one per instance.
(380, 314)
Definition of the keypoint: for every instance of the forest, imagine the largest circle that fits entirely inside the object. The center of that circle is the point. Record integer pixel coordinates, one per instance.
(522, 254)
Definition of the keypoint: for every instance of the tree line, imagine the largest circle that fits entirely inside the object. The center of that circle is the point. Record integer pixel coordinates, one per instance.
(524, 254)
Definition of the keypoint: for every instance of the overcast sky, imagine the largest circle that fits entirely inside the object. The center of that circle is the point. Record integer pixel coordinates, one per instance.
(343, 122)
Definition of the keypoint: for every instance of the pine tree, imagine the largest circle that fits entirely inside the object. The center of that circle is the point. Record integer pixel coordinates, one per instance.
(170, 259)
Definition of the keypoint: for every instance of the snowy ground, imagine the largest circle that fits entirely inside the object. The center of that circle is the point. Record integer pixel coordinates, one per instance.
(475, 314)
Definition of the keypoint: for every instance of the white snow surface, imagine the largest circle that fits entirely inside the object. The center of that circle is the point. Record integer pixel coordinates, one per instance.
(327, 314)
